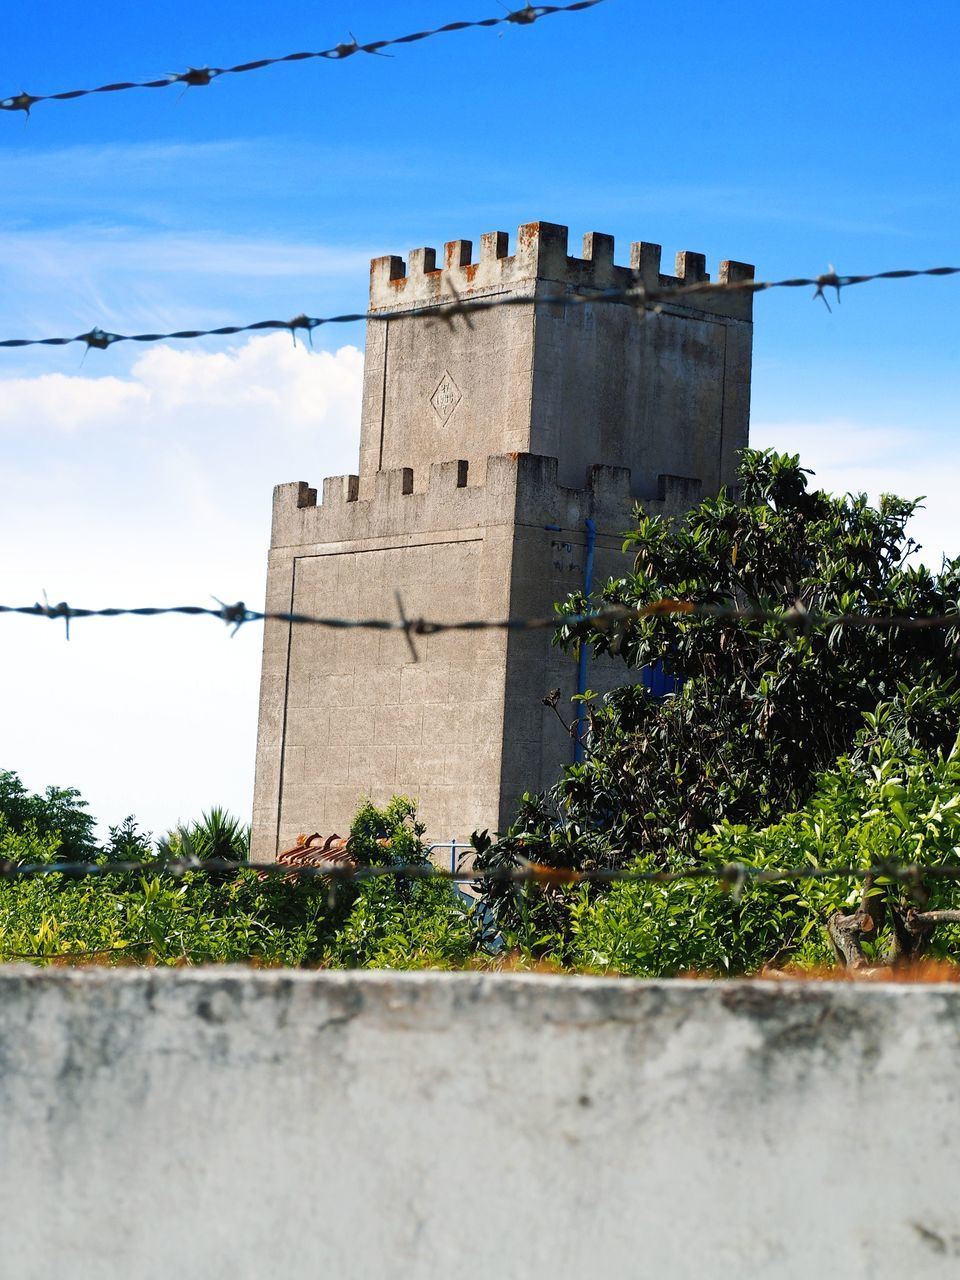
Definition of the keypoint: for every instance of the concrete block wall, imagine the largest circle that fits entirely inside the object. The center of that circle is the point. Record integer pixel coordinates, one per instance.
(378, 1126)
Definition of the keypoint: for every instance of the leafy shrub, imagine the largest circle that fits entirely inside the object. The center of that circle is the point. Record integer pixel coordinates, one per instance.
(882, 808)
(761, 711)
(394, 922)
(218, 835)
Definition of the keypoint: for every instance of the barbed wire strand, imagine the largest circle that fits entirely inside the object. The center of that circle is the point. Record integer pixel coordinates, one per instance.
(734, 876)
(200, 77)
(638, 295)
(609, 617)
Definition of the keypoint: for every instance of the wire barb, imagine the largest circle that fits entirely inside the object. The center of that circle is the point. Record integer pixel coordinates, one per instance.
(61, 610)
(735, 877)
(636, 295)
(234, 615)
(409, 628)
(606, 618)
(195, 77)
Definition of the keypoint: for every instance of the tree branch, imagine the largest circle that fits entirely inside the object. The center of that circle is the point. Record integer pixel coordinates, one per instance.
(847, 933)
(933, 917)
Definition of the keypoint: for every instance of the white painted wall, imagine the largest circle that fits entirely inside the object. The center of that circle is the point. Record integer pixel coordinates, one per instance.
(234, 1123)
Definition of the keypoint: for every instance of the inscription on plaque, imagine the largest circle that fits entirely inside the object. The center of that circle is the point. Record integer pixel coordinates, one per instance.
(445, 398)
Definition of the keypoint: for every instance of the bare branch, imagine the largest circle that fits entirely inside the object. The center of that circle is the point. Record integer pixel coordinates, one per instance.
(933, 918)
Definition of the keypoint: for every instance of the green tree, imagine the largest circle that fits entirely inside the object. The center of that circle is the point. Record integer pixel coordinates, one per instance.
(59, 812)
(127, 843)
(761, 709)
(389, 921)
(897, 809)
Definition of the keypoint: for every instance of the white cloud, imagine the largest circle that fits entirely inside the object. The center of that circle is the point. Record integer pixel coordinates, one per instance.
(57, 401)
(284, 380)
(54, 254)
(267, 382)
(856, 457)
(154, 488)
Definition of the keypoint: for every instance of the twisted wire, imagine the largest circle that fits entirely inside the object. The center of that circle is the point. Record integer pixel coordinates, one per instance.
(638, 295)
(608, 617)
(734, 876)
(200, 77)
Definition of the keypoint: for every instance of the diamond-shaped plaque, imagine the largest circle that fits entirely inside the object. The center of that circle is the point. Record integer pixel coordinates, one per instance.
(445, 398)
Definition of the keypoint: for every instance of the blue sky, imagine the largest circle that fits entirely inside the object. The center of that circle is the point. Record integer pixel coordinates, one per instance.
(793, 136)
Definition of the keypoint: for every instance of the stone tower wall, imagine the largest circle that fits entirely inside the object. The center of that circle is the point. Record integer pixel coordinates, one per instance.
(485, 450)
(457, 723)
(585, 383)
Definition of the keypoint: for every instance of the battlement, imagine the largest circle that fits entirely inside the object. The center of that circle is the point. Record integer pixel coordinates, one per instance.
(519, 488)
(540, 257)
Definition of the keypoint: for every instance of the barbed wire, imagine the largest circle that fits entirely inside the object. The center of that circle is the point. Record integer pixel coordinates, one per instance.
(734, 876)
(608, 617)
(638, 295)
(200, 77)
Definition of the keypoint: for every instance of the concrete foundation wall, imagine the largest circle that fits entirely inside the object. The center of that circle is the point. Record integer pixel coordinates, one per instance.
(229, 1123)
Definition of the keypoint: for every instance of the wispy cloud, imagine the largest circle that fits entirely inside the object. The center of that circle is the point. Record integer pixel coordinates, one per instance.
(154, 487)
(162, 183)
(125, 278)
(122, 249)
(159, 235)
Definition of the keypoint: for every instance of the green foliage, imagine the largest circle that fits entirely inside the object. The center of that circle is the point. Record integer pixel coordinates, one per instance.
(762, 708)
(127, 843)
(761, 713)
(217, 835)
(878, 804)
(27, 844)
(396, 922)
(886, 808)
(59, 812)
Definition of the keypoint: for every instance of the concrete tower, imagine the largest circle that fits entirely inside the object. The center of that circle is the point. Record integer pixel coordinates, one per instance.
(500, 461)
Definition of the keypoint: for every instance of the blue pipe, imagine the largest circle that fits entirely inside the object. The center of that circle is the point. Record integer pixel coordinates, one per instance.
(584, 645)
(453, 846)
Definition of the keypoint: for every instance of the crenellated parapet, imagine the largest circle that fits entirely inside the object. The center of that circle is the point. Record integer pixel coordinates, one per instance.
(518, 489)
(539, 264)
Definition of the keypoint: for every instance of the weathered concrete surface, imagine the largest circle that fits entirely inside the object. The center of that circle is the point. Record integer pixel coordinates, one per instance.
(234, 1123)
(485, 448)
